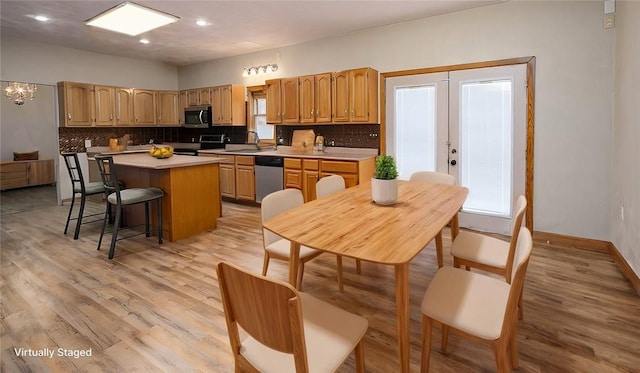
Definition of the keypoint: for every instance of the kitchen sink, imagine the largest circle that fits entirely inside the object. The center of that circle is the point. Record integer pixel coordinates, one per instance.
(248, 150)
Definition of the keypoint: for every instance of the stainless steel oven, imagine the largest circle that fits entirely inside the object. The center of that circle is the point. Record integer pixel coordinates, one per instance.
(197, 116)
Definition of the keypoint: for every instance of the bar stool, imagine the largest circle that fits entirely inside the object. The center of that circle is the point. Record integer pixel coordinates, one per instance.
(125, 197)
(79, 187)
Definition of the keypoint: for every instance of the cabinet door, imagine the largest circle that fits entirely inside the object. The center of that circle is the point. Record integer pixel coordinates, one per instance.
(359, 95)
(41, 172)
(307, 100)
(322, 98)
(216, 98)
(309, 185)
(205, 96)
(289, 100)
(274, 105)
(124, 107)
(14, 175)
(340, 96)
(245, 183)
(183, 102)
(293, 178)
(167, 108)
(144, 107)
(193, 97)
(228, 181)
(78, 104)
(105, 105)
(226, 104)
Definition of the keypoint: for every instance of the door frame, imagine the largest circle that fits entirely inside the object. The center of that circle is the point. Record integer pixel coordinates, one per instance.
(530, 61)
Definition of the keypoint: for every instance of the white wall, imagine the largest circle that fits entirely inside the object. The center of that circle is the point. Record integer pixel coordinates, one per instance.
(625, 234)
(574, 86)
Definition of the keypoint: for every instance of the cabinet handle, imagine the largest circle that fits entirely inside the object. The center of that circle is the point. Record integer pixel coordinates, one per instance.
(317, 111)
(345, 111)
(110, 117)
(69, 116)
(311, 112)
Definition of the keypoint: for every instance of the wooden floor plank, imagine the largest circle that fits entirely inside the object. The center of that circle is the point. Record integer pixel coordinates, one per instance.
(157, 307)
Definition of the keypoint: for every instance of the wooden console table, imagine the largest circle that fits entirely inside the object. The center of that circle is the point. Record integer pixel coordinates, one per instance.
(18, 174)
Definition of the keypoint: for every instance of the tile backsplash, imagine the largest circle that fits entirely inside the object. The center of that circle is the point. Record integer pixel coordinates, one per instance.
(350, 135)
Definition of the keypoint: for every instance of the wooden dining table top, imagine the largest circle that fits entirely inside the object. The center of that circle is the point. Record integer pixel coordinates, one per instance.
(349, 223)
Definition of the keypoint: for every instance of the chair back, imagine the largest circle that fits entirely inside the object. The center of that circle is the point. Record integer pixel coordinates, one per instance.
(75, 172)
(522, 254)
(329, 184)
(433, 177)
(269, 311)
(276, 203)
(521, 206)
(109, 175)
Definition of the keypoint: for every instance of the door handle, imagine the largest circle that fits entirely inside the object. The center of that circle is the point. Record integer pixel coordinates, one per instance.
(453, 162)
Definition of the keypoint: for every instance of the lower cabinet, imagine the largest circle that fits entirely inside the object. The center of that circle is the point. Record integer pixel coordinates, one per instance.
(26, 173)
(304, 173)
(237, 176)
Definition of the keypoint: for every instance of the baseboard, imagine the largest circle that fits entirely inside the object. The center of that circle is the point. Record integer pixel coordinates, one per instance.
(559, 240)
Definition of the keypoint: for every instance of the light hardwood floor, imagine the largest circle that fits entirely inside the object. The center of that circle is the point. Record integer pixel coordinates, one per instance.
(157, 307)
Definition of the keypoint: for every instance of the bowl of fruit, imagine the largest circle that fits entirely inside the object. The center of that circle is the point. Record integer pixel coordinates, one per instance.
(161, 151)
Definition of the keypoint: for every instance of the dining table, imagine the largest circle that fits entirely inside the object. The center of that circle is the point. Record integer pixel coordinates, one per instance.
(350, 224)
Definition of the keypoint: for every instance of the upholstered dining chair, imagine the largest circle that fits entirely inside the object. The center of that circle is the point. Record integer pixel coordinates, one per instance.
(477, 250)
(81, 188)
(120, 198)
(286, 330)
(276, 247)
(328, 185)
(433, 177)
(477, 306)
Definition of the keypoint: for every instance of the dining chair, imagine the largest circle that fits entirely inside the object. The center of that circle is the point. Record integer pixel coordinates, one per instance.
(276, 247)
(286, 330)
(79, 188)
(477, 306)
(480, 251)
(433, 177)
(120, 198)
(328, 185)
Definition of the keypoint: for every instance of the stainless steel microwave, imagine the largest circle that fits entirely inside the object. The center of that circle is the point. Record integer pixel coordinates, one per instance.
(197, 116)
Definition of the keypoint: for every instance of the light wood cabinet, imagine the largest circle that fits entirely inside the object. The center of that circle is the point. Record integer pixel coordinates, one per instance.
(184, 103)
(228, 103)
(26, 173)
(193, 97)
(315, 98)
(355, 96)
(167, 108)
(144, 107)
(77, 103)
(310, 176)
(282, 101)
(205, 96)
(227, 174)
(274, 104)
(105, 105)
(124, 107)
(245, 178)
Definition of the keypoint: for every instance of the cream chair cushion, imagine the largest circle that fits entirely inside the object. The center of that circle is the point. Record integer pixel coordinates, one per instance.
(481, 248)
(330, 335)
(283, 248)
(468, 301)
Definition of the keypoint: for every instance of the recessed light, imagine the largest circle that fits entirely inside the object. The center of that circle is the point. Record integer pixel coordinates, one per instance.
(42, 18)
(144, 41)
(201, 22)
(131, 19)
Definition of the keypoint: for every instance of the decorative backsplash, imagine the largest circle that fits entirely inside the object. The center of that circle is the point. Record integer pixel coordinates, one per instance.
(354, 135)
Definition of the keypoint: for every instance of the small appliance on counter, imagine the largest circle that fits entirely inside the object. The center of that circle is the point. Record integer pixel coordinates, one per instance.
(319, 145)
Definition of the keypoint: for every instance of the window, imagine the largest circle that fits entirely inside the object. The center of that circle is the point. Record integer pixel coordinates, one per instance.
(258, 110)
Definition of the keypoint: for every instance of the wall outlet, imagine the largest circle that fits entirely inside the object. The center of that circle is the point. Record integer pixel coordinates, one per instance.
(622, 213)
(87, 143)
(609, 21)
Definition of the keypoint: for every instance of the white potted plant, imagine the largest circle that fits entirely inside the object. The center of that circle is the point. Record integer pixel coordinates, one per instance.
(384, 185)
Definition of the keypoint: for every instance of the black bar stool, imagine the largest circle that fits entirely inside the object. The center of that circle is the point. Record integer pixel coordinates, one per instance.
(79, 187)
(120, 197)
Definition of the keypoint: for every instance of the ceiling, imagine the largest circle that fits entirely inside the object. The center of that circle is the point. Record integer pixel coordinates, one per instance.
(234, 27)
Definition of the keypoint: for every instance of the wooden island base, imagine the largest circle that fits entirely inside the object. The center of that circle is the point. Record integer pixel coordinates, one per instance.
(191, 203)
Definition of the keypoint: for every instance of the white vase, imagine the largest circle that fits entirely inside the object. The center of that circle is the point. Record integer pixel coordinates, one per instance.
(384, 192)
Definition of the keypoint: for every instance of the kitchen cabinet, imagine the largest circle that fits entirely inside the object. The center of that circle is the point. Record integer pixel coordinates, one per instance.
(245, 178)
(293, 173)
(227, 174)
(205, 96)
(167, 108)
(144, 107)
(348, 170)
(77, 103)
(26, 173)
(184, 102)
(355, 96)
(124, 107)
(105, 105)
(282, 101)
(193, 97)
(229, 105)
(315, 98)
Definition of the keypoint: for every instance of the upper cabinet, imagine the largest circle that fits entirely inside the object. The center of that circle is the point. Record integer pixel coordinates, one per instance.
(144, 107)
(274, 104)
(168, 108)
(124, 107)
(77, 104)
(315, 98)
(205, 96)
(282, 101)
(228, 105)
(355, 96)
(105, 105)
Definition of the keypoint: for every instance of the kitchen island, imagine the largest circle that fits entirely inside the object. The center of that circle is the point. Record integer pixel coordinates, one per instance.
(191, 203)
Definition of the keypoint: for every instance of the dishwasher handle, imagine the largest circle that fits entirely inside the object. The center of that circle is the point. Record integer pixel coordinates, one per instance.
(268, 161)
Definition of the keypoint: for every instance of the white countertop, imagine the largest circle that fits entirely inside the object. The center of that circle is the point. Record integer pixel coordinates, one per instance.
(336, 153)
(147, 161)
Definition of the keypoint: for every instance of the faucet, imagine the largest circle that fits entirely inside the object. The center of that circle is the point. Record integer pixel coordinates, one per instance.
(255, 136)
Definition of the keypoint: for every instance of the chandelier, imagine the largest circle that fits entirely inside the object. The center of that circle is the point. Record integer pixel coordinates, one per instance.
(19, 91)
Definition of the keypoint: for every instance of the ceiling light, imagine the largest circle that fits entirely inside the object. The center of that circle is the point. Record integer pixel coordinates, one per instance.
(144, 41)
(201, 22)
(42, 18)
(256, 70)
(131, 19)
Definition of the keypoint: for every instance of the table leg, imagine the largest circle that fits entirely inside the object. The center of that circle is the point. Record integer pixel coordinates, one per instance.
(439, 249)
(402, 311)
(294, 261)
(455, 227)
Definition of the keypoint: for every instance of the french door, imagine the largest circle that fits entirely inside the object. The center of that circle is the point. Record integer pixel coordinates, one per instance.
(470, 124)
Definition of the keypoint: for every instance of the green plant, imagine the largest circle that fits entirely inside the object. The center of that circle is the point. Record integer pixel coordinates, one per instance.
(385, 168)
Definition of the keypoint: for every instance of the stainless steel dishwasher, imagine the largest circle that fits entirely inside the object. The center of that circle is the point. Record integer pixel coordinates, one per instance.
(269, 175)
